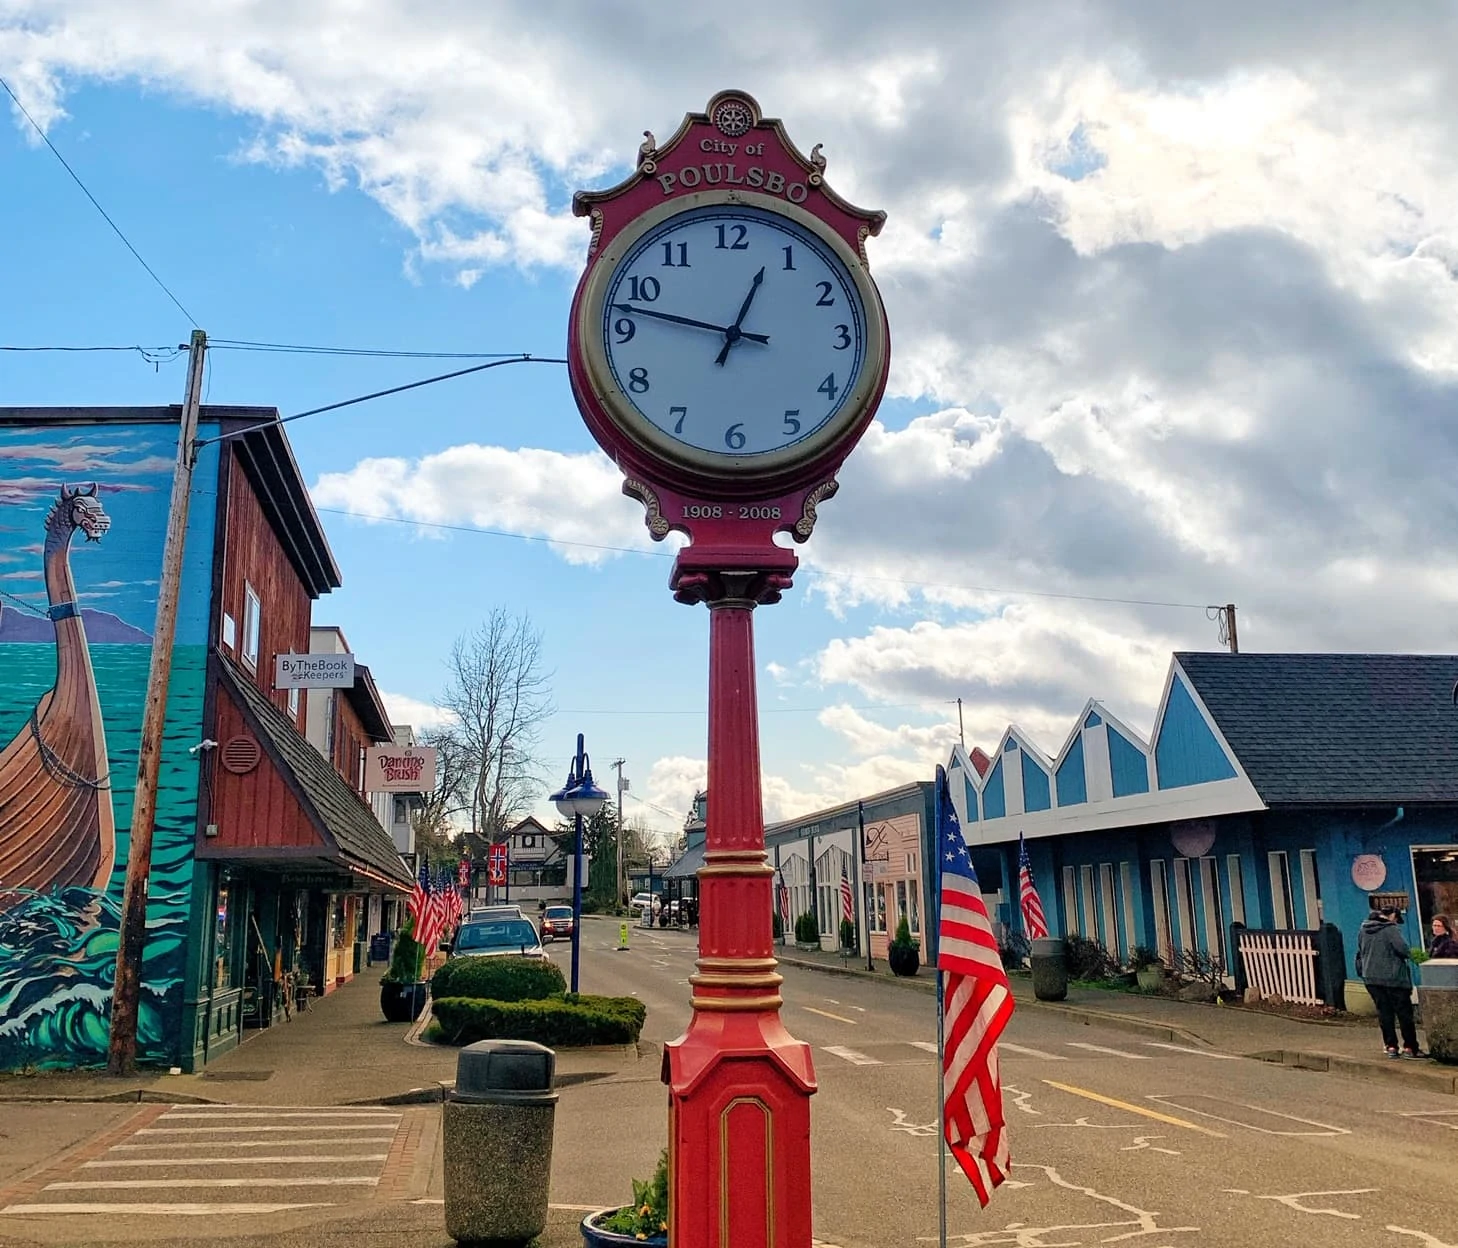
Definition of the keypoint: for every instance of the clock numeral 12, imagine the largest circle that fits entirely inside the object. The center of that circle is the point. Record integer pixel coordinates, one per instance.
(669, 262)
(741, 234)
(681, 413)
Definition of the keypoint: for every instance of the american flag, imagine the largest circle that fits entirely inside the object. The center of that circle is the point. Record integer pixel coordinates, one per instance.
(1035, 923)
(784, 905)
(429, 912)
(847, 898)
(976, 1005)
(419, 895)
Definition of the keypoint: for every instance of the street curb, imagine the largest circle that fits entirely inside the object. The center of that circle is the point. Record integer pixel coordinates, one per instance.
(1118, 1022)
(133, 1096)
(1430, 1078)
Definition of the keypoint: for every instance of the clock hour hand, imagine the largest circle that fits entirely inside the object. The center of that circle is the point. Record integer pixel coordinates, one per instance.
(634, 310)
(733, 334)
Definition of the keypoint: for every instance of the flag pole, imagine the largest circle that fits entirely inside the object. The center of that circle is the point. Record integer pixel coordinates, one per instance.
(941, 1030)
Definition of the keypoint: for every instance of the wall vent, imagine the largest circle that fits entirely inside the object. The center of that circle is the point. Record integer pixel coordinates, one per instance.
(241, 755)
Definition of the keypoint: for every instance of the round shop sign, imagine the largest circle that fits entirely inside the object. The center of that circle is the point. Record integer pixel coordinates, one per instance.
(1368, 872)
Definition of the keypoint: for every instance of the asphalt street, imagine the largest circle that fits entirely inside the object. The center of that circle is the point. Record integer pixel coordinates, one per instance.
(1114, 1138)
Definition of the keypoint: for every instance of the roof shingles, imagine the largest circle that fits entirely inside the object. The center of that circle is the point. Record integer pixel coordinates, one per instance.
(1345, 729)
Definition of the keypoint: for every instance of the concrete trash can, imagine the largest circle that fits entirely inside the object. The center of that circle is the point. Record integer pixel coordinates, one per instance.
(498, 1142)
(1050, 969)
(1438, 997)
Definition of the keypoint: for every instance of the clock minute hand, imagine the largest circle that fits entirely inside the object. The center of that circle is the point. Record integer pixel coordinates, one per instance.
(634, 310)
(733, 334)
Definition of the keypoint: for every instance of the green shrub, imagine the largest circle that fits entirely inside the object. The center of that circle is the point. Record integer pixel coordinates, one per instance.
(1087, 959)
(407, 960)
(499, 979)
(903, 939)
(807, 928)
(777, 924)
(847, 934)
(1144, 956)
(556, 1021)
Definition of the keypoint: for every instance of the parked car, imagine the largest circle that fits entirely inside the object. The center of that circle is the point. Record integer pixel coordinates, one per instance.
(506, 910)
(556, 921)
(640, 901)
(497, 937)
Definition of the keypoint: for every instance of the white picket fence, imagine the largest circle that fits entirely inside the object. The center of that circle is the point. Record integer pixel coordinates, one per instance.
(1280, 964)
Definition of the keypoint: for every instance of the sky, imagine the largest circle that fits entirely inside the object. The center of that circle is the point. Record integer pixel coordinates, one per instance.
(1173, 298)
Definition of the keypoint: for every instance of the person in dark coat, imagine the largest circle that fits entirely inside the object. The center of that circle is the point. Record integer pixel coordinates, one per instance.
(1445, 942)
(1385, 965)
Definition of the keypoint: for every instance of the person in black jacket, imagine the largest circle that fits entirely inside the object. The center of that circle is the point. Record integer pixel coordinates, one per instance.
(1385, 965)
(1445, 943)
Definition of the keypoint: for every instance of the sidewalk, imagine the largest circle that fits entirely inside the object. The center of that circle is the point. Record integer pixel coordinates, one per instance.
(1348, 1048)
(339, 1051)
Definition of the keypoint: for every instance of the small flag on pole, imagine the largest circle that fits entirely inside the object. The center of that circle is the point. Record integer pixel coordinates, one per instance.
(976, 1005)
(784, 906)
(1035, 924)
(847, 898)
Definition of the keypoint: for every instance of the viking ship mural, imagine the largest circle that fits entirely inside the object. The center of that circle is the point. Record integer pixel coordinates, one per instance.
(57, 829)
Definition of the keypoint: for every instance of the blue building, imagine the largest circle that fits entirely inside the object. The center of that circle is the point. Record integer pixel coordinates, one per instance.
(1278, 791)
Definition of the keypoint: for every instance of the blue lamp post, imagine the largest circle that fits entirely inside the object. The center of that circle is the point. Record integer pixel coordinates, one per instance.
(577, 800)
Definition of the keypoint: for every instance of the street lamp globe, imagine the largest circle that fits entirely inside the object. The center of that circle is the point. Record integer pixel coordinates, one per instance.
(583, 798)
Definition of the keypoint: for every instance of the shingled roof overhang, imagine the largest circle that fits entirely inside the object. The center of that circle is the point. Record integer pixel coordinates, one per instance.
(1336, 729)
(350, 837)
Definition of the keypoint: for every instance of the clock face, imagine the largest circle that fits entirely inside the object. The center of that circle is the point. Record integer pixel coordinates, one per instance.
(738, 335)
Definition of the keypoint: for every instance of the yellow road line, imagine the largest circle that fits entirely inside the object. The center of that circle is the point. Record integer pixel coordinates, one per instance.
(1133, 1109)
(828, 1014)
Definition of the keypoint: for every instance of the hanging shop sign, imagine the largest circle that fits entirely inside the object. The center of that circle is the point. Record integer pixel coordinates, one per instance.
(313, 671)
(399, 769)
(1368, 872)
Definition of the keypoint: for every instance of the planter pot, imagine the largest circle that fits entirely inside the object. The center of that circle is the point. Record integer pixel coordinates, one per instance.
(595, 1237)
(808, 946)
(403, 1003)
(1048, 956)
(905, 960)
(1150, 976)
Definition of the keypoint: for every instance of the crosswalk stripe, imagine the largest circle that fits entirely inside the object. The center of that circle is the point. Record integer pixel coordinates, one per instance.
(1098, 1048)
(92, 1185)
(191, 1209)
(851, 1056)
(375, 1116)
(1027, 1052)
(334, 1141)
(239, 1130)
(928, 1045)
(228, 1161)
(1179, 1048)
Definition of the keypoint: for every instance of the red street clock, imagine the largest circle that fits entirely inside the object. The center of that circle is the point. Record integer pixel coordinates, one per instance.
(728, 346)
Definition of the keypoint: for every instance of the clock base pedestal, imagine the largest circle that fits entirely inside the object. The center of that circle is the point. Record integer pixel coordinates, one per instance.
(739, 1084)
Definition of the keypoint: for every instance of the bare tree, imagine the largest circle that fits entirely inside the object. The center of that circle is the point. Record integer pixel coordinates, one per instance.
(499, 695)
(449, 799)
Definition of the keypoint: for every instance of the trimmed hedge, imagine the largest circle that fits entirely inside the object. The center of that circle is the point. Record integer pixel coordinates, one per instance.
(498, 979)
(563, 1021)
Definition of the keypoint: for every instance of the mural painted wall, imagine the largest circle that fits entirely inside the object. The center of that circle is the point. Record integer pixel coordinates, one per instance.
(83, 516)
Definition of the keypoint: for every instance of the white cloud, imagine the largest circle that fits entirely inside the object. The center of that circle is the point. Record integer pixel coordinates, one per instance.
(415, 712)
(1182, 282)
(491, 487)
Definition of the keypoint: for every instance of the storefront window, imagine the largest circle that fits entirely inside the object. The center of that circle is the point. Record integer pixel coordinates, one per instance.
(880, 908)
(901, 901)
(338, 929)
(222, 948)
(915, 898)
(1436, 873)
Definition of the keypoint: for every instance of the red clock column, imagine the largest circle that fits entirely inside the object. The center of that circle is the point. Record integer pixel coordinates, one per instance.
(739, 1084)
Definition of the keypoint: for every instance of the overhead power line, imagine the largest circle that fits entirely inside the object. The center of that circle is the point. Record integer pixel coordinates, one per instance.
(378, 394)
(105, 216)
(289, 348)
(1000, 591)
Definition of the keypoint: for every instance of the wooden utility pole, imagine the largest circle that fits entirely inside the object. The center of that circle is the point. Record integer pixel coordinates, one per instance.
(1230, 628)
(622, 874)
(961, 736)
(121, 1054)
